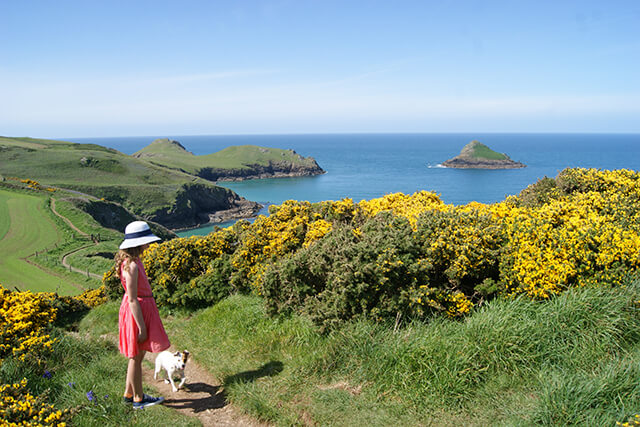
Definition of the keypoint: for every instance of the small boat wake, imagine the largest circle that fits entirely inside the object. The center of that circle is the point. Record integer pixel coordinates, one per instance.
(437, 166)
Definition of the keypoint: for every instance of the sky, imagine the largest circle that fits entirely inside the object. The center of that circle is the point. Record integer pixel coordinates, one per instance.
(134, 68)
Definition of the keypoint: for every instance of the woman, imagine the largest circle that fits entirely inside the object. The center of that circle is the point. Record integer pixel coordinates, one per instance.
(140, 327)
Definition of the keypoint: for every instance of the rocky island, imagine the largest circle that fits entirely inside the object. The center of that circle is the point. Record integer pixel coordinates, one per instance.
(476, 155)
(233, 163)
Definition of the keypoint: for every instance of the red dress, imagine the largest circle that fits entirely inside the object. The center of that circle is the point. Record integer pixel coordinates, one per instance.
(157, 339)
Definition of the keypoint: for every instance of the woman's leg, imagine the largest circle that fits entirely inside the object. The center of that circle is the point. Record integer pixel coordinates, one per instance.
(134, 377)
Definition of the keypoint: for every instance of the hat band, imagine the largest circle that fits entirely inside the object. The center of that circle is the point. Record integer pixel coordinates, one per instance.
(138, 234)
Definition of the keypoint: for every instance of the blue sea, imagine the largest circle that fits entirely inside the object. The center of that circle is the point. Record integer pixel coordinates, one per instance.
(365, 166)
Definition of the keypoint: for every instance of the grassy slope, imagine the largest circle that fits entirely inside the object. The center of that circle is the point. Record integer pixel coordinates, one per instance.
(141, 186)
(97, 258)
(57, 162)
(236, 157)
(481, 151)
(574, 360)
(29, 228)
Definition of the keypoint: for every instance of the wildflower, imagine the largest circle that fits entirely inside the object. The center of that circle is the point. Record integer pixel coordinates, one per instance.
(71, 384)
(47, 375)
(91, 396)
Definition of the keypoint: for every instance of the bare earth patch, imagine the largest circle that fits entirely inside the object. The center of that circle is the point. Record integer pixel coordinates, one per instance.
(202, 396)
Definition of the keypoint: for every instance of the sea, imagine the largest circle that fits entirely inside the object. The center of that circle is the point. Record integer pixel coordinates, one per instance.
(366, 166)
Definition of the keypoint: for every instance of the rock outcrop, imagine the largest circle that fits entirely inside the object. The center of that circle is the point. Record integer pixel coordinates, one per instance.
(255, 171)
(198, 204)
(475, 155)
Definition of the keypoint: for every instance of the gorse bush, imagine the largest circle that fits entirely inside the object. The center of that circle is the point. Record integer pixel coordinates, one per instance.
(26, 321)
(18, 407)
(411, 255)
(347, 274)
(27, 317)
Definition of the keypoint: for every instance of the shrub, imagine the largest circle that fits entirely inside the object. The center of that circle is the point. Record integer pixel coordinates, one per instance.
(411, 255)
(172, 265)
(24, 319)
(348, 274)
(18, 407)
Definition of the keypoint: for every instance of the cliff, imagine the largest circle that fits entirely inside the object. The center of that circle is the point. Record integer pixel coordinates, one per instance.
(476, 155)
(198, 204)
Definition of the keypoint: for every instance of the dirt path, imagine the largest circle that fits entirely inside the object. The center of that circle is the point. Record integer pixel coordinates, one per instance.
(65, 219)
(65, 262)
(202, 396)
(68, 266)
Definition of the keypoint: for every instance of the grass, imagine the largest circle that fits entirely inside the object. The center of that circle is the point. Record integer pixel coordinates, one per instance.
(481, 151)
(83, 363)
(84, 222)
(32, 244)
(574, 360)
(29, 228)
(95, 259)
(88, 168)
(166, 153)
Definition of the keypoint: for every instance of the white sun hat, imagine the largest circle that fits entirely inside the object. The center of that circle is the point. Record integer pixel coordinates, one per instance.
(137, 233)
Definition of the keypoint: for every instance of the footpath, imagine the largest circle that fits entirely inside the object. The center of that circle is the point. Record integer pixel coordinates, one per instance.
(65, 261)
(202, 396)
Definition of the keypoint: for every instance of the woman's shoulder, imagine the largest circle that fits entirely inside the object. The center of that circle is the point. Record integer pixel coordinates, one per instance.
(130, 265)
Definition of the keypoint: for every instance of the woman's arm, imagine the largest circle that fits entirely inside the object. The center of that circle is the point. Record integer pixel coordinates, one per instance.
(130, 273)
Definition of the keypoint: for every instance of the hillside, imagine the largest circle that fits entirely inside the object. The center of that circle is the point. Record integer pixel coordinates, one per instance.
(170, 197)
(232, 163)
(476, 155)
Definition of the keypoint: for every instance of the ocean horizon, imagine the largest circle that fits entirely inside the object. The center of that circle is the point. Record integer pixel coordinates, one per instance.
(365, 166)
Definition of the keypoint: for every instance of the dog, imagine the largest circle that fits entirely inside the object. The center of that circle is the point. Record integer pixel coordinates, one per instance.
(173, 364)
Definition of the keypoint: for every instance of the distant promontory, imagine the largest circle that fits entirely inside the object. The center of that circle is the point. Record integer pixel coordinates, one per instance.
(476, 155)
(233, 163)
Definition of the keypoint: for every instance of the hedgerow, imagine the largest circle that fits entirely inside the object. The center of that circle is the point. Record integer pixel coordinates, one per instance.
(411, 255)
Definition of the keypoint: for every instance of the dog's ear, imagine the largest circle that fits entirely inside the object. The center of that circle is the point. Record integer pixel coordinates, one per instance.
(185, 356)
(177, 354)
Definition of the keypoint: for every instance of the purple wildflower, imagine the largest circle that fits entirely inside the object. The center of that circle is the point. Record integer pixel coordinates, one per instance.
(47, 375)
(91, 396)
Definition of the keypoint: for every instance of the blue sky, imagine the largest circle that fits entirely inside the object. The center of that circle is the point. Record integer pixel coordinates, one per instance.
(111, 68)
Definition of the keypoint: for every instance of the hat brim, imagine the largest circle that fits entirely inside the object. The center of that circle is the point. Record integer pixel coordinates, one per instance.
(139, 241)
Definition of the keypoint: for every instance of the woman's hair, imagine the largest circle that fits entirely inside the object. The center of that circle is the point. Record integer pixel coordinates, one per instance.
(127, 255)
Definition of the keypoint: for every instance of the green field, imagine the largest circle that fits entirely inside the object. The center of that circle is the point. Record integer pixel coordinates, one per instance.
(27, 227)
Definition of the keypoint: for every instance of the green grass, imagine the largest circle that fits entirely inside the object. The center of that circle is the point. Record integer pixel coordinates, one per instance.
(481, 151)
(574, 360)
(141, 186)
(169, 154)
(83, 363)
(28, 228)
(84, 222)
(96, 259)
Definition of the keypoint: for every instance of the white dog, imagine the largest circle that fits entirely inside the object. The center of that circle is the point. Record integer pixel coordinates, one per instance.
(173, 364)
